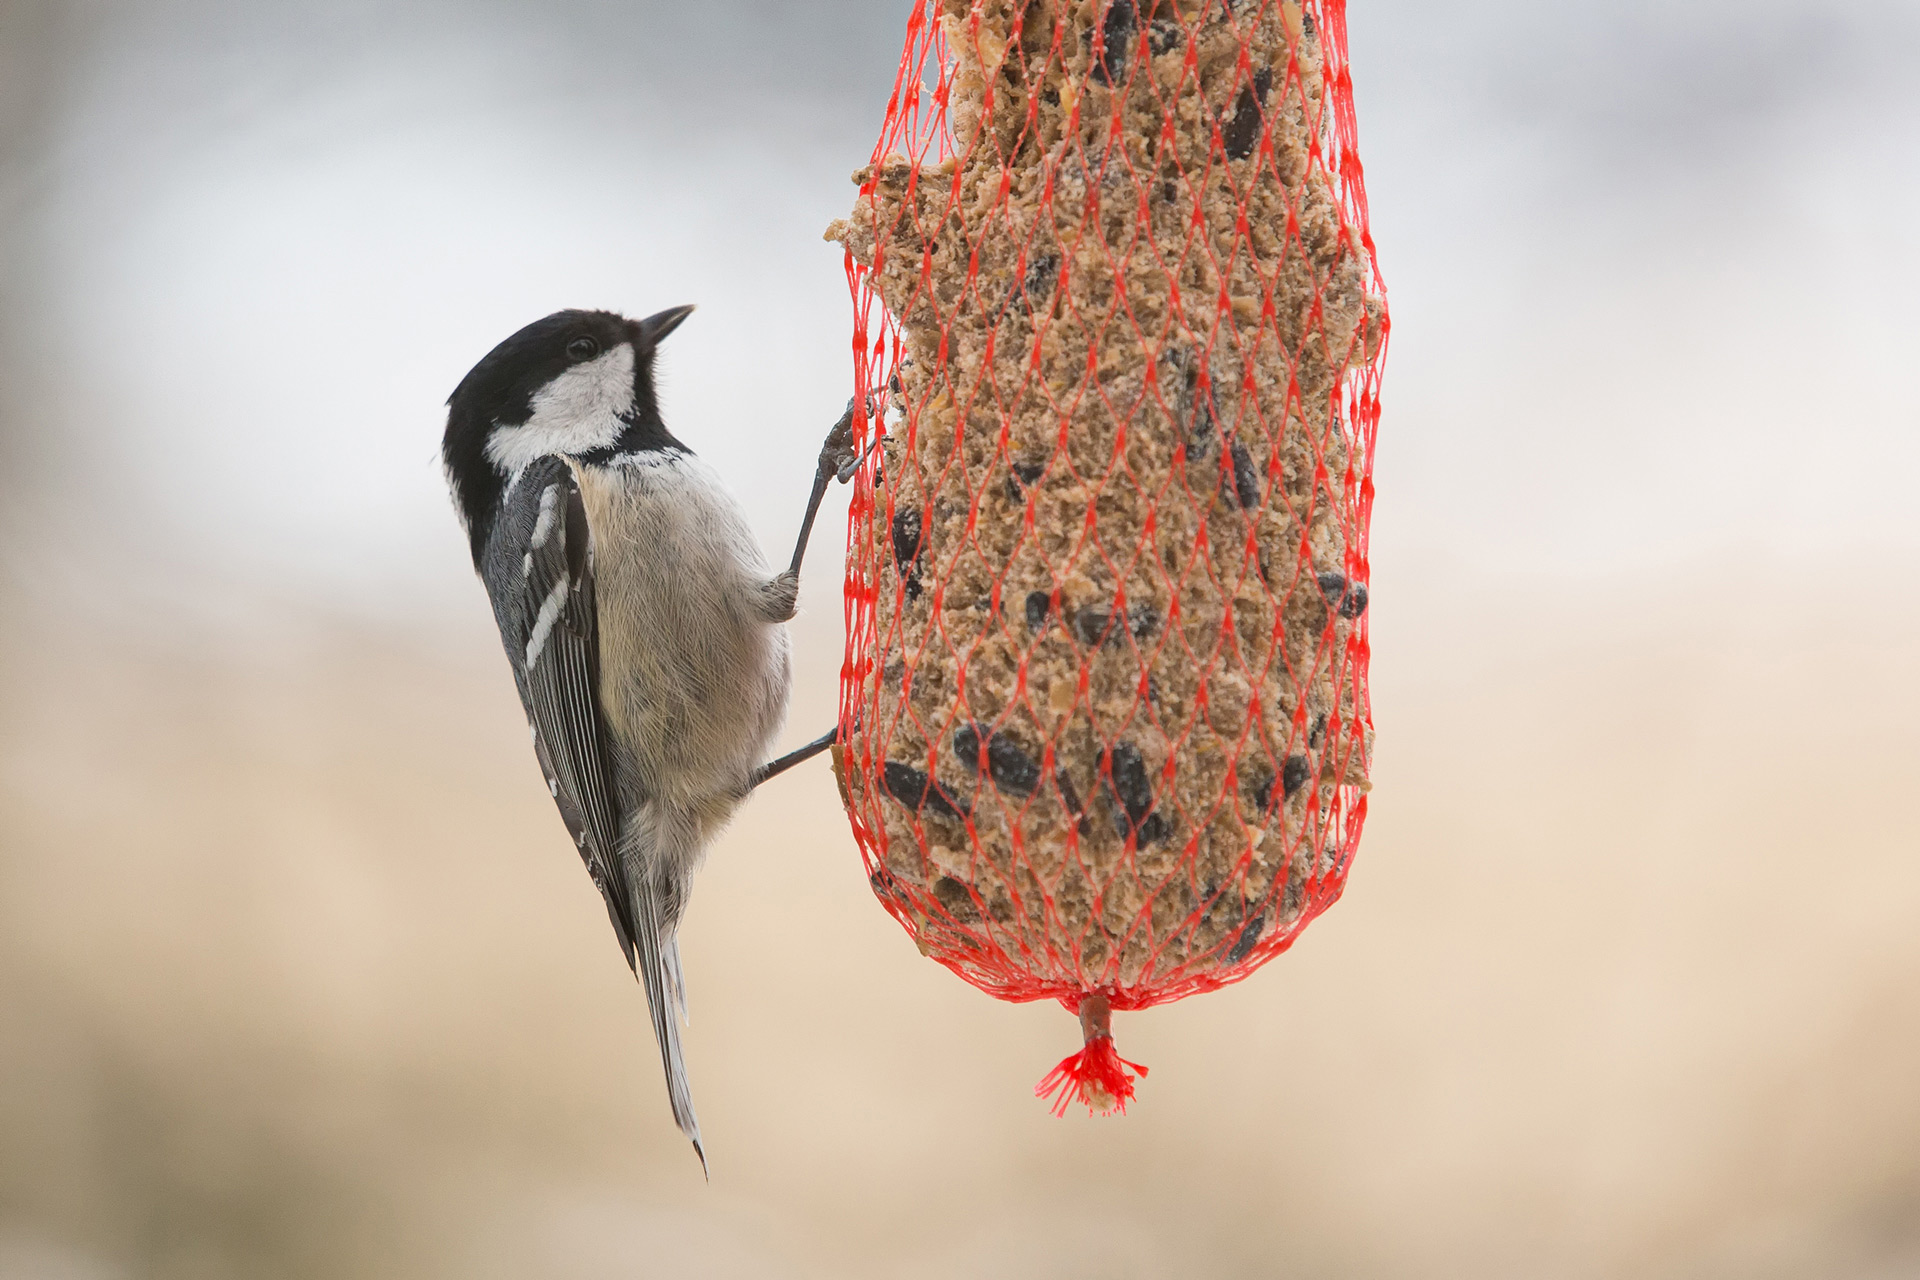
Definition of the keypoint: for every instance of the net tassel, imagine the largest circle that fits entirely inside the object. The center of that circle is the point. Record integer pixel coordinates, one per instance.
(1097, 1075)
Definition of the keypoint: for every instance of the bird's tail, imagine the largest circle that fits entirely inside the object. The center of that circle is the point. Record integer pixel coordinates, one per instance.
(659, 970)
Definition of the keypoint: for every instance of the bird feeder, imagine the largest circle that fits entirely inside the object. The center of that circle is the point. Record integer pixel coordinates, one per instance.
(1118, 332)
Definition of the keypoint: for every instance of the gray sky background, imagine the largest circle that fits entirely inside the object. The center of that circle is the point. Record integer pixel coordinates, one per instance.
(1650, 267)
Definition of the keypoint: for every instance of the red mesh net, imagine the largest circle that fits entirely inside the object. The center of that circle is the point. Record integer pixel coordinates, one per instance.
(1118, 333)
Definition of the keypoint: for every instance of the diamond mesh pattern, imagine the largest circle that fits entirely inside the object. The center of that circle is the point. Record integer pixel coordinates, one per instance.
(1118, 337)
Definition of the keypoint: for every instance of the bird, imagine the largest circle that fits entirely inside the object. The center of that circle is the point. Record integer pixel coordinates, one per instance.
(643, 625)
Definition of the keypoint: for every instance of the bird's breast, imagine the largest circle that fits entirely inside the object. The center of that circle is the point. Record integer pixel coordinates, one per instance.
(693, 682)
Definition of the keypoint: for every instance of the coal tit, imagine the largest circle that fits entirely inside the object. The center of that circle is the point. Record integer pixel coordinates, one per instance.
(641, 621)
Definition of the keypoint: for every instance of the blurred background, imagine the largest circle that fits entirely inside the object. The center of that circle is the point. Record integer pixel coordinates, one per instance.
(299, 976)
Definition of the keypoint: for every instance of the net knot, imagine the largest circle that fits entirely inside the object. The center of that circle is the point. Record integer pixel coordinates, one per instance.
(1097, 1075)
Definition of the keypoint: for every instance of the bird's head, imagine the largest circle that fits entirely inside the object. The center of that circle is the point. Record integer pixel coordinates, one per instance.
(576, 383)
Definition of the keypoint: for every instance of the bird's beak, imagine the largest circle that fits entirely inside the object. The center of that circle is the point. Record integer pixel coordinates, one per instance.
(662, 323)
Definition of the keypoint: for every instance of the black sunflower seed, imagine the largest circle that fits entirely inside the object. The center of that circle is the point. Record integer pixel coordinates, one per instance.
(957, 898)
(918, 792)
(1259, 790)
(1348, 598)
(1116, 43)
(1204, 428)
(1131, 788)
(1263, 790)
(1249, 937)
(1011, 769)
(909, 540)
(1094, 627)
(1243, 131)
(1090, 626)
(1038, 282)
(1246, 480)
(884, 883)
(1293, 775)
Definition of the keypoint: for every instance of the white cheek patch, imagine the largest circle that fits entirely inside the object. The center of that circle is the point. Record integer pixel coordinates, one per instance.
(577, 411)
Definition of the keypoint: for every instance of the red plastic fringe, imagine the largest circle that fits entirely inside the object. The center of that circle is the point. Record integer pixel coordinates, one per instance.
(1097, 1075)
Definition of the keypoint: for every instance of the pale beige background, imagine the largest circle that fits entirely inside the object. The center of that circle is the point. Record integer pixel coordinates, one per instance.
(299, 976)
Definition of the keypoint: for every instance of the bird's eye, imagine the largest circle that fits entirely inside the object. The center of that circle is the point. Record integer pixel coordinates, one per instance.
(583, 348)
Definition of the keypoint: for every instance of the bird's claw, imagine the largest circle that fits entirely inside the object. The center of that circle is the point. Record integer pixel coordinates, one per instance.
(837, 456)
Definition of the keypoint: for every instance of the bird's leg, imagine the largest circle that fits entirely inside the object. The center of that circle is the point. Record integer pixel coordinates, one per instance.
(774, 768)
(836, 462)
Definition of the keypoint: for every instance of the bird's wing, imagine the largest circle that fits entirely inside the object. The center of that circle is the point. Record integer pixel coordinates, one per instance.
(543, 571)
(545, 604)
